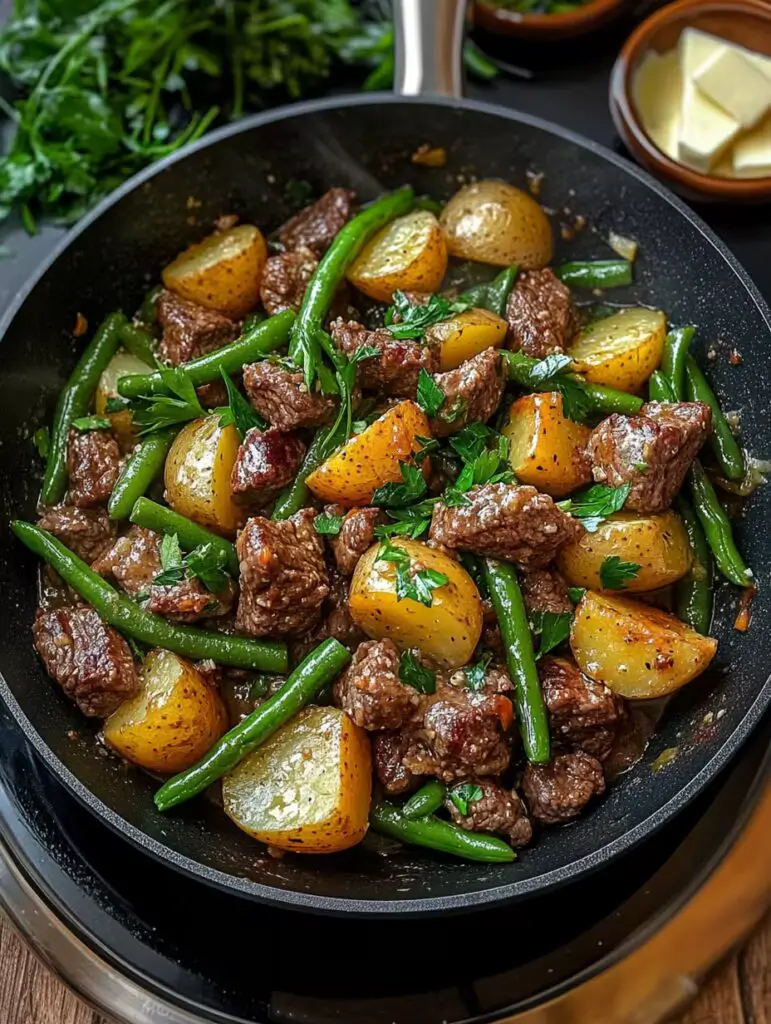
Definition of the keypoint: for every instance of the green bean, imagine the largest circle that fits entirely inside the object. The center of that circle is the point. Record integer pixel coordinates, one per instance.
(676, 347)
(495, 294)
(427, 203)
(127, 617)
(717, 528)
(661, 388)
(138, 342)
(429, 798)
(595, 273)
(74, 401)
(253, 344)
(603, 400)
(295, 497)
(148, 311)
(313, 673)
(723, 443)
(439, 835)
(693, 593)
(189, 534)
(509, 608)
(304, 345)
(142, 467)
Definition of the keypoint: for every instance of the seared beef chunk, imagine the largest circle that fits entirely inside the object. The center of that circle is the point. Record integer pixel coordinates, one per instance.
(86, 531)
(212, 395)
(283, 576)
(505, 521)
(544, 590)
(336, 621)
(541, 316)
(370, 690)
(93, 464)
(395, 370)
(280, 395)
(652, 451)
(190, 330)
(189, 601)
(472, 393)
(285, 278)
(266, 462)
(315, 227)
(559, 791)
(497, 810)
(90, 661)
(583, 714)
(357, 534)
(388, 750)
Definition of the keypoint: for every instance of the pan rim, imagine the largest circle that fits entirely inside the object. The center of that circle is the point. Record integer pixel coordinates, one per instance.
(413, 906)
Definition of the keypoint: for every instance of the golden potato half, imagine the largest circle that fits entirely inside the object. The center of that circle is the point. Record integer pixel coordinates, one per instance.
(121, 364)
(494, 222)
(623, 350)
(447, 631)
(465, 335)
(308, 787)
(197, 474)
(221, 272)
(545, 447)
(638, 651)
(409, 254)
(172, 722)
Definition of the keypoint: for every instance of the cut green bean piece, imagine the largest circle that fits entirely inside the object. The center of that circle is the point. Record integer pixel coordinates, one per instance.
(427, 800)
(693, 593)
(297, 495)
(725, 446)
(435, 834)
(717, 528)
(138, 342)
(676, 346)
(157, 517)
(142, 467)
(495, 294)
(595, 273)
(605, 401)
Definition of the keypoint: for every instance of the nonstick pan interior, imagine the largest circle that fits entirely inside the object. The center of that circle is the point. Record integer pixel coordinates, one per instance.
(365, 144)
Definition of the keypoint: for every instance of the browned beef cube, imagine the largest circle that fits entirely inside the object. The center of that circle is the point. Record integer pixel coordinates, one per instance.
(506, 521)
(285, 278)
(266, 462)
(495, 810)
(212, 395)
(356, 536)
(370, 690)
(86, 531)
(281, 397)
(395, 370)
(335, 621)
(189, 601)
(93, 464)
(283, 576)
(90, 660)
(583, 714)
(388, 751)
(472, 393)
(652, 451)
(190, 330)
(559, 791)
(316, 226)
(541, 316)
(544, 590)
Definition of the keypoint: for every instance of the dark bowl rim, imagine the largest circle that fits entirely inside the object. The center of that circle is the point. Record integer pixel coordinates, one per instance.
(498, 895)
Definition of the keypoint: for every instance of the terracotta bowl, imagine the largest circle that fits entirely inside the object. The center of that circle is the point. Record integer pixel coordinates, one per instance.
(547, 26)
(745, 22)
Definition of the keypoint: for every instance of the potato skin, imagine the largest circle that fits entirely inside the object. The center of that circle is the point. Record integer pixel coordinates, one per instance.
(172, 722)
(638, 651)
(657, 543)
(308, 788)
(447, 632)
(465, 335)
(409, 254)
(546, 449)
(222, 271)
(121, 364)
(371, 458)
(623, 350)
(197, 474)
(494, 222)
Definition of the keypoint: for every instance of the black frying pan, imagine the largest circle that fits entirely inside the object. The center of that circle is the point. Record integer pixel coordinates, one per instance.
(364, 143)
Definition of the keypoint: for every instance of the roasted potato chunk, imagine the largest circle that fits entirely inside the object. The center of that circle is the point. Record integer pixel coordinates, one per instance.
(447, 631)
(122, 363)
(172, 722)
(623, 350)
(409, 254)
(307, 788)
(638, 651)
(494, 222)
(546, 449)
(197, 474)
(221, 272)
(465, 335)
(657, 543)
(370, 459)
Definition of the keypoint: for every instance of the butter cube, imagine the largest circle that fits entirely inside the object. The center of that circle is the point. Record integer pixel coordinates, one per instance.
(736, 84)
(656, 91)
(764, 63)
(752, 153)
(705, 130)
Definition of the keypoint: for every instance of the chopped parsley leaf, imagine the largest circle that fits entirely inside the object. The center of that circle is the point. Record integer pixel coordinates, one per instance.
(615, 574)
(413, 674)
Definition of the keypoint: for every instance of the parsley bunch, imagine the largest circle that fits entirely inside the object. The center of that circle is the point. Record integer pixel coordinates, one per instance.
(418, 585)
(205, 563)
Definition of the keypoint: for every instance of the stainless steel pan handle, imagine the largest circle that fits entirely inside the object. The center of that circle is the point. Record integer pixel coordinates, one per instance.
(428, 36)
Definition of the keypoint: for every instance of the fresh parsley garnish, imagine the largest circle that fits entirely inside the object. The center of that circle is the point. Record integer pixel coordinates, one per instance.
(428, 446)
(641, 467)
(91, 423)
(487, 468)
(470, 442)
(594, 505)
(397, 495)
(410, 522)
(553, 373)
(576, 594)
(465, 794)
(476, 674)
(417, 586)
(206, 563)
(413, 674)
(552, 629)
(328, 525)
(116, 403)
(615, 574)
(238, 411)
(157, 412)
(430, 395)
(414, 319)
(42, 441)
(172, 569)
(548, 368)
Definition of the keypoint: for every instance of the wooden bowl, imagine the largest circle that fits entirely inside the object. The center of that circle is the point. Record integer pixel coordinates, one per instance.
(547, 27)
(745, 22)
